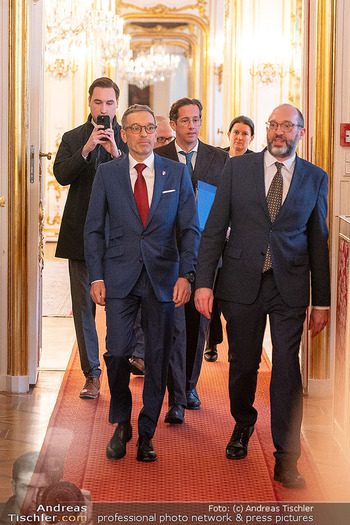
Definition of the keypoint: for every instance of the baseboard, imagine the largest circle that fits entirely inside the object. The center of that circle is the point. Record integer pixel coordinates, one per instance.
(320, 387)
(14, 384)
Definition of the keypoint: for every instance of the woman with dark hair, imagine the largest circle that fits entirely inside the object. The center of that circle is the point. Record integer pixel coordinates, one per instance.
(240, 134)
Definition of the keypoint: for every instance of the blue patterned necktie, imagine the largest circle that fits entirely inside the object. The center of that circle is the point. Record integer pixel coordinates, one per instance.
(274, 203)
(188, 160)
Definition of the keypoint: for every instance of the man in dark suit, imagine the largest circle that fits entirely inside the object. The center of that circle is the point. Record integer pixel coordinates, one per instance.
(145, 199)
(81, 151)
(204, 163)
(276, 204)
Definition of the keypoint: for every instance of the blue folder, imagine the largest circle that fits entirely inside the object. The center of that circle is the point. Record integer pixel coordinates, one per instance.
(205, 198)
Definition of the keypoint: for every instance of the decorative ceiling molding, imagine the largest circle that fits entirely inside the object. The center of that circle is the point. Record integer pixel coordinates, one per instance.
(163, 10)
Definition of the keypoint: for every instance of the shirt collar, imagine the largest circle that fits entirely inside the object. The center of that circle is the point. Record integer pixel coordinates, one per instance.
(270, 160)
(180, 149)
(149, 161)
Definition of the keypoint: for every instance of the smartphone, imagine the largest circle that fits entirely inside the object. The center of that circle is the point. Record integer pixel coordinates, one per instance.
(105, 121)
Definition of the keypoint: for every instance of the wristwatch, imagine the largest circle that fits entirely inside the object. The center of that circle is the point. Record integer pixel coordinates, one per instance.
(190, 276)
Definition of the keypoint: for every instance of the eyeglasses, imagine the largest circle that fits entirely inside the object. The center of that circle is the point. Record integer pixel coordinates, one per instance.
(161, 140)
(137, 128)
(286, 127)
(185, 121)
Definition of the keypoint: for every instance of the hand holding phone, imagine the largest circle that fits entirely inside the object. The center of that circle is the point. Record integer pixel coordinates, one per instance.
(105, 121)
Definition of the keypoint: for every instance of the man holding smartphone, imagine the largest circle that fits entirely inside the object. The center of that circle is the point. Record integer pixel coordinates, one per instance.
(80, 153)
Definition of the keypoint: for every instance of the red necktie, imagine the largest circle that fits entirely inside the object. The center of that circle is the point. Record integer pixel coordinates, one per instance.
(140, 193)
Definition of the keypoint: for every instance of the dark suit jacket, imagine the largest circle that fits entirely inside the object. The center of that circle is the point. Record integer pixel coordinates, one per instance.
(209, 163)
(298, 236)
(71, 168)
(246, 151)
(119, 259)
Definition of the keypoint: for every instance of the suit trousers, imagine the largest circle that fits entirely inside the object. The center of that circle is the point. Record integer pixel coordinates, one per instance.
(245, 332)
(196, 331)
(84, 310)
(157, 320)
(177, 365)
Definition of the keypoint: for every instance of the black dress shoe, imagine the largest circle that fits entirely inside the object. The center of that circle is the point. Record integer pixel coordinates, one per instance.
(175, 414)
(193, 401)
(211, 354)
(116, 448)
(145, 450)
(287, 473)
(237, 447)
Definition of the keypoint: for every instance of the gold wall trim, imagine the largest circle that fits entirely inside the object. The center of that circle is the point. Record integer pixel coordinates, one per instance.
(17, 184)
(163, 10)
(324, 146)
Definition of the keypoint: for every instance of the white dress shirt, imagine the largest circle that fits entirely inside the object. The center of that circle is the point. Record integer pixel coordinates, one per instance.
(182, 158)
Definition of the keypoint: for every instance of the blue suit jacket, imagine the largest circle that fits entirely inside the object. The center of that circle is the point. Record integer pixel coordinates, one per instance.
(298, 236)
(118, 256)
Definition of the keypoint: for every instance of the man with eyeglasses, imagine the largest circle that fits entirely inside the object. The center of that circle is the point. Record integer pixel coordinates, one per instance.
(204, 163)
(146, 200)
(137, 364)
(276, 204)
(164, 131)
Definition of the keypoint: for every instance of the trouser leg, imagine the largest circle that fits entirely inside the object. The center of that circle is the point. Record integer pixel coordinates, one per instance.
(120, 341)
(177, 367)
(84, 310)
(286, 393)
(157, 321)
(196, 331)
(245, 331)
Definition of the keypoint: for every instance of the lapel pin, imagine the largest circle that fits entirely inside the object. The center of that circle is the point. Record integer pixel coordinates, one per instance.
(163, 173)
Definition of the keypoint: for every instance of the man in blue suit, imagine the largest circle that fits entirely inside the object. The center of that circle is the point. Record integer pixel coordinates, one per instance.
(276, 205)
(144, 199)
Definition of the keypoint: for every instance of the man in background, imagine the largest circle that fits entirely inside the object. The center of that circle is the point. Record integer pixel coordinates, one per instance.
(80, 153)
(204, 163)
(164, 131)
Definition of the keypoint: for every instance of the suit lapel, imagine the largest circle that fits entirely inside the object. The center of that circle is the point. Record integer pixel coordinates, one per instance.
(294, 188)
(204, 156)
(259, 178)
(123, 174)
(161, 171)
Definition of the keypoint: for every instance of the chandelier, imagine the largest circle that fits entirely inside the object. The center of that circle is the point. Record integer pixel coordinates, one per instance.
(149, 66)
(74, 28)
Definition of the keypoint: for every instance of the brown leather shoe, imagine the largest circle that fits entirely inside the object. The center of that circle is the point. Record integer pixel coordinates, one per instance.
(137, 366)
(91, 388)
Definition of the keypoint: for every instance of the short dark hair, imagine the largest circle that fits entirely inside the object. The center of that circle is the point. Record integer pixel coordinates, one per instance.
(174, 110)
(242, 119)
(25, 463)
(134, 109)
(104, 82)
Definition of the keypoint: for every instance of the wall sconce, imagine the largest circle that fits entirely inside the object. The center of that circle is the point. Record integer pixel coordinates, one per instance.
(268, 72)
(218, 70)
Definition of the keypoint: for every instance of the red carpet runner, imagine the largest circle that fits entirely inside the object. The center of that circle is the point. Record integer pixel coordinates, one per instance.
(191, 465)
